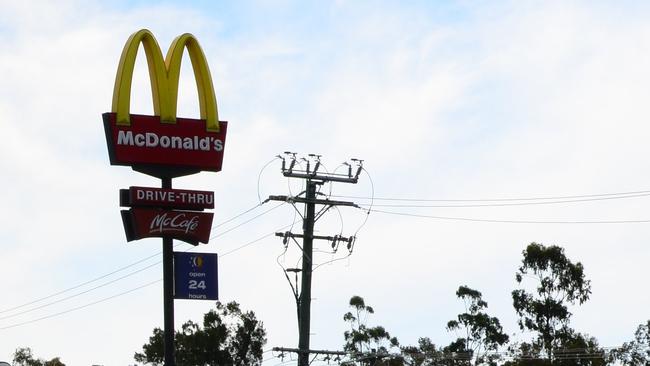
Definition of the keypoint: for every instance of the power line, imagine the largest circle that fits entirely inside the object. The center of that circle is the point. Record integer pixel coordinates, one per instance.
(512, 221)
(82, 306)
(256, 240)
(372, 200)
(133, 289)
(126, 267)
(133, 273)
(238, 215)
(643, 192)
(508, 204)
(259, 177)
(81, 284)
(242, 247)
(246, 222)
(557, 354)
(629, 194)
(79, 293)
(123, 277)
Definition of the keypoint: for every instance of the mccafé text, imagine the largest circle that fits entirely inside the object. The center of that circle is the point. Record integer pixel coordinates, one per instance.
(179, 222)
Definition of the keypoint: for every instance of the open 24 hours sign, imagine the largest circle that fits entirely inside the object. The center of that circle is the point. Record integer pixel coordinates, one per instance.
(195, 276)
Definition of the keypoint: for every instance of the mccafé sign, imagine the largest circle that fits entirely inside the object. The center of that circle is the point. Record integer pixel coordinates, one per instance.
(191, 227)
(164, 145)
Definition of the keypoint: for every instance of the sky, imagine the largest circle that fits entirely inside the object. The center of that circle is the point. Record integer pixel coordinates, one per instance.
(443, 100)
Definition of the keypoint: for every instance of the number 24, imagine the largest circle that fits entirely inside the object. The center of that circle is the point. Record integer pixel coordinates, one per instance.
(197, 285)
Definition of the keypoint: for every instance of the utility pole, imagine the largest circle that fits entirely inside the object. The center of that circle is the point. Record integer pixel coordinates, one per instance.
(307, 266)
(313, 179)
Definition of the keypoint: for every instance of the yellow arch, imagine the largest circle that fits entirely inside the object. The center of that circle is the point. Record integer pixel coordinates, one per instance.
(164, 77)
(204, 86)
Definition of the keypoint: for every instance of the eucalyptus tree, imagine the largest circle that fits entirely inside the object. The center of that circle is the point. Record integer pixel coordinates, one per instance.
(480, 335)
(24, 357)
(367, 345)
(229, 336)
(637, 351)
(554, 282)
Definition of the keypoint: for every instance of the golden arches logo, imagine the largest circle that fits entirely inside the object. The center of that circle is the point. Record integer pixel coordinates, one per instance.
(164, 76)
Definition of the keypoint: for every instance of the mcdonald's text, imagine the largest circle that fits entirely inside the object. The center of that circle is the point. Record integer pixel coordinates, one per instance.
(151, 139)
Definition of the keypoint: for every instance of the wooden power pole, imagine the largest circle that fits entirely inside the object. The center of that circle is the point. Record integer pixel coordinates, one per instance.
(313, 179)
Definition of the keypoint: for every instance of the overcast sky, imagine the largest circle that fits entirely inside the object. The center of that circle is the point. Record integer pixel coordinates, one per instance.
(443, 100)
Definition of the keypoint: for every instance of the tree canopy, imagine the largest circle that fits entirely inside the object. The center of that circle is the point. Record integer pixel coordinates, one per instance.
(229, 336)
(481, 333)
(558, 283)
(24, 357)
(549, 284)
(637, 351)
(365, 344)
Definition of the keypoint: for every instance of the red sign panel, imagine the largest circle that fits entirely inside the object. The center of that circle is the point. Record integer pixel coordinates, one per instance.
(165, 149)
(190, 227)
(166, 198)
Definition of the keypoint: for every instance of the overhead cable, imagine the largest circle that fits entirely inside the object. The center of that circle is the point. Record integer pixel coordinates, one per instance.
(124, 267)
(640, 192)
(508, 203)
(513, 221)
(82, 306)
(136, 288)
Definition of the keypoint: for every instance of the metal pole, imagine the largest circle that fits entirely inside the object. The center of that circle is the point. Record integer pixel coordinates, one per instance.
(168, 291)
(305, 292)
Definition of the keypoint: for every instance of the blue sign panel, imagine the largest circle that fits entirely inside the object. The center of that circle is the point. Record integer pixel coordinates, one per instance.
(195, 276)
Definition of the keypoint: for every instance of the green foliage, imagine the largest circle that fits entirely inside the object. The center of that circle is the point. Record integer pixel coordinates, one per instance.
(54, 362)
(549, 283)
(24, 357)
(637, 351)
(574, 349)
(361, 340)
(559, 282)
(427, 354)
(229, 336)
(482, 333)
(525, 354)
(577, 349)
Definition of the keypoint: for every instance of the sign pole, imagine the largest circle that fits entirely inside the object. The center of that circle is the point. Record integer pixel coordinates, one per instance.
(168, 290)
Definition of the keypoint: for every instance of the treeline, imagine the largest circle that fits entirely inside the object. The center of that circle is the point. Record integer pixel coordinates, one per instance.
(557, 283)
(548, 283)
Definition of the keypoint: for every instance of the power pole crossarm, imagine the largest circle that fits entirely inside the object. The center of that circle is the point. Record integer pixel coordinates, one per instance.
(316, 201)
(313, 351)
(331, 178)
(318, 237)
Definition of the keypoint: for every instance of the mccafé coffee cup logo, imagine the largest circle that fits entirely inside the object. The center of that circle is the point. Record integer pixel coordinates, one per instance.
(164, 145)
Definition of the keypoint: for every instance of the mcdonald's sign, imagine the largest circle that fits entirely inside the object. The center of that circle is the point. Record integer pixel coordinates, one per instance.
(164, 145)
